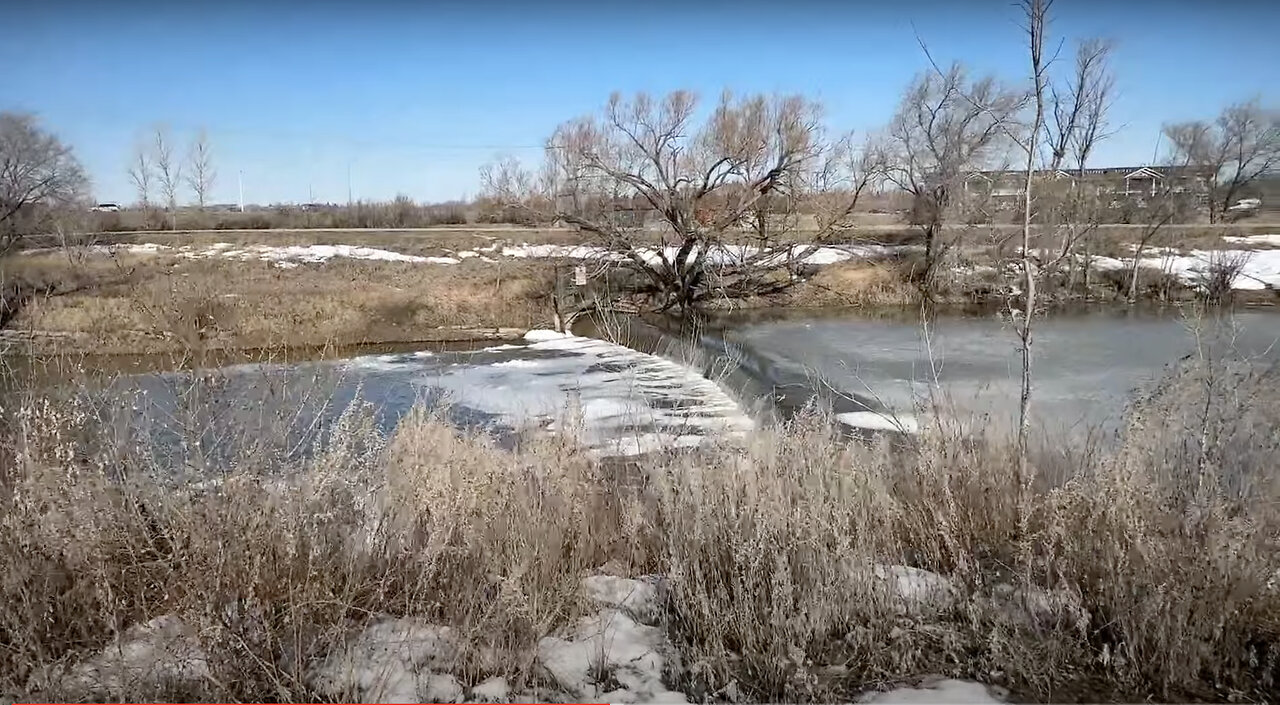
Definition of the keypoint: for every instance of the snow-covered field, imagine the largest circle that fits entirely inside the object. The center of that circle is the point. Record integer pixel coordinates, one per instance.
(292, 255)
(615, 400)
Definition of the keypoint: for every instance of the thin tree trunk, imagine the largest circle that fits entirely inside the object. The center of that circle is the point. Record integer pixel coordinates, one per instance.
(1036, 10)
(1133, 275)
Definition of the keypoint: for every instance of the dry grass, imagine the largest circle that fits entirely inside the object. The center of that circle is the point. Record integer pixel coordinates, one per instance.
(141, 304)
(854, 284)
(145, 304)
(1169, 543)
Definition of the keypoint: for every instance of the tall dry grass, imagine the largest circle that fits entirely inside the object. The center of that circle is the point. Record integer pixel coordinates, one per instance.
(145, 304)
(1151, 572)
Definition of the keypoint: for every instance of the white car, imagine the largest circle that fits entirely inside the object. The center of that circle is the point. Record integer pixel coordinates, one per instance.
(106, 208)
(1246, 204)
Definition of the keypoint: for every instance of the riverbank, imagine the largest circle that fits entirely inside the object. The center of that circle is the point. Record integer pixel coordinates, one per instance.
(429, 564)
(158, 293)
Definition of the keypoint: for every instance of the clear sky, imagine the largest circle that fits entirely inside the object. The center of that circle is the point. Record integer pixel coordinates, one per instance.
(414, 97)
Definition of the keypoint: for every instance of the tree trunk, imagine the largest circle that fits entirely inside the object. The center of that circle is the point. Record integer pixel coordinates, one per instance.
(1133, 276)
(930, 261)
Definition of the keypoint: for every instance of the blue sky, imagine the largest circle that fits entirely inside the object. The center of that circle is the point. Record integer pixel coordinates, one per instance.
(414, 97)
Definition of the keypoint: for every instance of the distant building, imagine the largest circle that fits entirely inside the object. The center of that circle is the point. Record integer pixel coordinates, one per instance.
(1126, 182)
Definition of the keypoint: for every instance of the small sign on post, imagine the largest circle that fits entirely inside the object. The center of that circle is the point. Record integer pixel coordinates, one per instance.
(580, 275)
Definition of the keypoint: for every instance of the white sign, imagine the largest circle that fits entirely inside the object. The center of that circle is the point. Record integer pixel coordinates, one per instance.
(580, 275)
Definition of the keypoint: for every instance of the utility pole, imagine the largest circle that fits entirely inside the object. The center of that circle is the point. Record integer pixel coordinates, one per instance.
(348, 184)
(240, 181)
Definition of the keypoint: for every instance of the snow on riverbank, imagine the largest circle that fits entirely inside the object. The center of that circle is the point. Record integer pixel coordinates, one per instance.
(615, 400)
(1261, 268)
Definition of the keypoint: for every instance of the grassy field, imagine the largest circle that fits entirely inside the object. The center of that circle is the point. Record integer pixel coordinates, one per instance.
(144, 303)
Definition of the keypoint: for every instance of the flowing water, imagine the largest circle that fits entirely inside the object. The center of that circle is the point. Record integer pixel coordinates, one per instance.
(875, 373)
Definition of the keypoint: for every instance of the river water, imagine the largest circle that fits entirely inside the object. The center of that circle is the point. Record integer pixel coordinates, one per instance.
(1086, 364)
(877, 372)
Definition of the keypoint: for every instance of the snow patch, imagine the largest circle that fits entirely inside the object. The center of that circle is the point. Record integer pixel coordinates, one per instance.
(289, 256)
(945, 692)
(638, 598)
(1272, 240)
(610, 648)
(718, 256)
(914, 591)
(1261, 268)
(880, 421)
(393, 661)
(492, 690)
(162, 653)
(539, 335)
(146, 248)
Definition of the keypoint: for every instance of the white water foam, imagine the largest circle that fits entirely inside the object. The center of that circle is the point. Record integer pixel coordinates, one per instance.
(616, 401)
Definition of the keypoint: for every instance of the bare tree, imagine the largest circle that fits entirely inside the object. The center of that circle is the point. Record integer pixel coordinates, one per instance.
(140, 173)
(647, 168)
(1166, 207)
(945, 127)
(200, 171)
(39, 176)
(168, 171)
(1077, 116)
(1037, 19)
(1242, 145)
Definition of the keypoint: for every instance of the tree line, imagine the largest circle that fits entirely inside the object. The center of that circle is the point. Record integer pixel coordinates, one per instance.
(770, 170)
(769, 166)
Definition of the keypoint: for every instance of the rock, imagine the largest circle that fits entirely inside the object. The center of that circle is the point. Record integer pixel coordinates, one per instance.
(492, 690)
(160, 655)
(638, 598)
(948, 692)
(394, 660)
(606, 648)
(913, 591)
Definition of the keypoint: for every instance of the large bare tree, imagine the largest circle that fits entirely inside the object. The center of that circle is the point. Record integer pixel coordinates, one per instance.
(726, 197)
(946, 126)
(200, 171)
(1242, 145)
(168, 171)
(39, 176)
